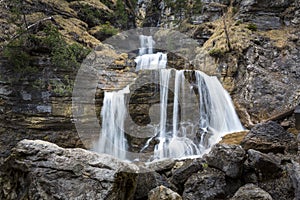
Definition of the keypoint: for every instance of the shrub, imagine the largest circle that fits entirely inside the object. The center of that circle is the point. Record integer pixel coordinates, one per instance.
(252, 27)
(216, 53)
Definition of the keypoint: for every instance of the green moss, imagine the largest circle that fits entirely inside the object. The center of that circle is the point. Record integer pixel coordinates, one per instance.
(204, 165)
(62, 87)
(216, 53)
(252, 27)
(105, 31)
(20, 52)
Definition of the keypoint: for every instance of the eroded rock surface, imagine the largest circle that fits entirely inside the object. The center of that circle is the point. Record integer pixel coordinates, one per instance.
(251, 191)
(42, 170)
(269, 137)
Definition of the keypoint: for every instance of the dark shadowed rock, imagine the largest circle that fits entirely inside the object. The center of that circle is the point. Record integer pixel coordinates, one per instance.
(227, 158)
(182, 173)
(266, 166)
(163, 193)
(146, 182)
(250, 192)
(41, 170)
(268, 137)
(209, 184)
(294, 172)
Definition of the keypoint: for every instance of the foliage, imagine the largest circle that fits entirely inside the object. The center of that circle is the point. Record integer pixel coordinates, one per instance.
(252, 27)
(105, 31)
(62, 87)
(90, 15)
(216, 53)
(63, 55)
(18, 57)
(121, 15)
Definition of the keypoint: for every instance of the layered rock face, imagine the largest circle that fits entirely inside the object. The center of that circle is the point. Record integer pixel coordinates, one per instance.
(42, 170)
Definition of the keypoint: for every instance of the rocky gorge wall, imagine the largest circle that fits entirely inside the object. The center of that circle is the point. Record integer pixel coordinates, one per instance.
(260, 70)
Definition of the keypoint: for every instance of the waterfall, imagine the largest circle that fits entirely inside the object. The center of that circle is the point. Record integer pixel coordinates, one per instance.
(112, 139)
(147, 59)
(202, 111)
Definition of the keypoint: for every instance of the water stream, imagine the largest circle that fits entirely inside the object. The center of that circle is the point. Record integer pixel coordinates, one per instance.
(202, 111)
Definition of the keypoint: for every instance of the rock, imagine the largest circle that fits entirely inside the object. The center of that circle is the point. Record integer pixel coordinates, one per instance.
(163, 193)
(268, 137)
(265, 14)
(182, 173)
(266, 166)
(209, 184)
(251, 191)
(161, 165)
(294, 173)
(146, 182)
(227, 158)
(42, 170)
(280, 188)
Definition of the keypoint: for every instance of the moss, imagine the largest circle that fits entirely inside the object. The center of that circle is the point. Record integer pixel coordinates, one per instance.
(204, 165)
(216, 53)
(104, 31)
(62, 87)
(252, 27)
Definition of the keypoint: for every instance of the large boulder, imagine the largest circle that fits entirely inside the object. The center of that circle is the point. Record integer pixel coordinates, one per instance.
(266, 166)
(146, 182)
(41, 170)
(163, 193)
(251, 191)
(227, 158)
(294, 172)
(269, 137)
(209, 184)
(184, 171)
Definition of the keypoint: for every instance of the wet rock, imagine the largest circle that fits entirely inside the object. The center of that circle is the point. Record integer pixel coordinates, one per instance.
(251, 191)
(209, 184)
(42, 170)
(163, 193)
(268, 137)
(227, 158)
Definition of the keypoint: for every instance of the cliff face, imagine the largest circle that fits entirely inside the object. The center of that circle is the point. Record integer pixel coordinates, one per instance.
(260, 68)
(255, 47)
(42, 46)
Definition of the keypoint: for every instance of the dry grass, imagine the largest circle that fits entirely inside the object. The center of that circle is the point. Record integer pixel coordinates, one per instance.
(239, 35)
(280, 37)
(234, 138)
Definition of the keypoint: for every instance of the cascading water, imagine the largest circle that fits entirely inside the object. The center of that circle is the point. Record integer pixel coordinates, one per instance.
(147, 59)
(202, 111)
(112, 139)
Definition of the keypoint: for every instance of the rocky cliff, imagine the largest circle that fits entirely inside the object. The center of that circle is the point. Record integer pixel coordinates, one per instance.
(251, 46)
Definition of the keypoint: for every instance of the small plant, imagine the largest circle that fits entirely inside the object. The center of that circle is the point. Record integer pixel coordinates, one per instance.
(62, 87)
(216, 53)
(252, 27)
(204, 165)
(105, 31)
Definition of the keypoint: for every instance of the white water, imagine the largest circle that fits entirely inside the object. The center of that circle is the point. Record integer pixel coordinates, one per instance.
(147, 59)
(198, 121)
(112, 139)
(216, 116)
